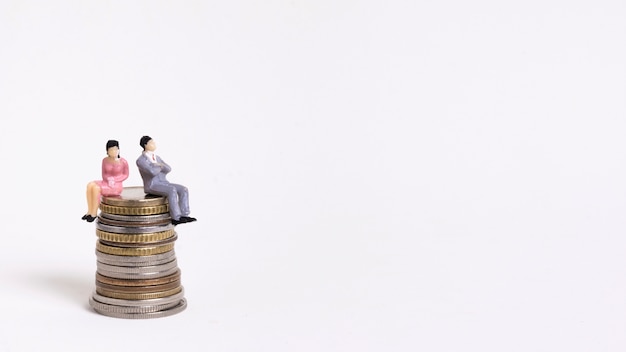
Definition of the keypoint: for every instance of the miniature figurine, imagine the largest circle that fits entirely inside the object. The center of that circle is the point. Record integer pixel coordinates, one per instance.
(114, 172)
(153, 171)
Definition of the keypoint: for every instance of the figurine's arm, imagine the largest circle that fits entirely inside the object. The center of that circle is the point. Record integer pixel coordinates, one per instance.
(105, 174)
(124, 175)
(166, 168)
(148, 166)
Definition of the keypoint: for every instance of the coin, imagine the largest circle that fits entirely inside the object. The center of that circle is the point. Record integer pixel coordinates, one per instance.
(143, 260)
(112, 222)
(137, 218)
(136, 303)
(181, 306)
(137, 269)
(143, 309)
(146, 210)
(143, 238)
(134, 197)
(134, 251)
(130, 230)
(137, 276)
(140, 244)
(139, 289)
(146, 282)
(134, 295)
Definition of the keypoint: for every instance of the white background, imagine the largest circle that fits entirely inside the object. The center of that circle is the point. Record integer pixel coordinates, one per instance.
(367, 175)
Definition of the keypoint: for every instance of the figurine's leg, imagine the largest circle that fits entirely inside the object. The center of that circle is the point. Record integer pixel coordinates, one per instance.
(172, 198)
(183, 199)
(93, 198)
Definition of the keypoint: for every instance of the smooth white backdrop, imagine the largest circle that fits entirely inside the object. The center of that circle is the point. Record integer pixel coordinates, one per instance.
(367, 175)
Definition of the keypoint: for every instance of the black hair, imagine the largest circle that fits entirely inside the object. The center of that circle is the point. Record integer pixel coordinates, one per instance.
(144, 140)
(113, 143)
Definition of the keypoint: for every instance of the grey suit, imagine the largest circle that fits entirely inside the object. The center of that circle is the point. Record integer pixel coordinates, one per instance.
(154, 182)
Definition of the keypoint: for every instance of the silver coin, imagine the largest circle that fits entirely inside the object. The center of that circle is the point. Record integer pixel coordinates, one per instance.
(139, 302)
(137, 269)
(130, 309)
(137, 276)
(135, 229)
(160, 314)
(133, 224)
(127, 260)
(136, 218)
(134, 197)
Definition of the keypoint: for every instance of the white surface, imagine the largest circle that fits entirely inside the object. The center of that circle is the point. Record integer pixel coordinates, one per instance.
(368, 176)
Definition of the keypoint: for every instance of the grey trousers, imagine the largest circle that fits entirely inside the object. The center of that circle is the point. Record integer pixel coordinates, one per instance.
(177, 197)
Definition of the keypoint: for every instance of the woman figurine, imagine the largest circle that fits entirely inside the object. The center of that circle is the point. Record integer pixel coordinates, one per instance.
(114, 172)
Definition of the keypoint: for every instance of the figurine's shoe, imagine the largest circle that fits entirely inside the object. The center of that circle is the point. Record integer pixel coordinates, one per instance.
(89, 218)
(85, 217)
(187, 219)
(176, 222)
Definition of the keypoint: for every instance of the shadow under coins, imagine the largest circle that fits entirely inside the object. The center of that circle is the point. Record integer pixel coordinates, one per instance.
(74, 288)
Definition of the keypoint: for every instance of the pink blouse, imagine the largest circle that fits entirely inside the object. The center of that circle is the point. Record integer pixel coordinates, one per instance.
(113, 174)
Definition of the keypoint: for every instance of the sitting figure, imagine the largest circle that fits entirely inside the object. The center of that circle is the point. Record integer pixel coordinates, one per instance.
(153, 171)
(114, 172)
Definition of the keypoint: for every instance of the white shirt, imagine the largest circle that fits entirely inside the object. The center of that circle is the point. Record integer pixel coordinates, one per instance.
(151, 156)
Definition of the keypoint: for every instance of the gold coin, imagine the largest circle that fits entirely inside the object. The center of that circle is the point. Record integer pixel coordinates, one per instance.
(139, 244)
(141, 251)
(139, 289)
(138, 282)
(135, 238)
(124, 210)
(138, 296)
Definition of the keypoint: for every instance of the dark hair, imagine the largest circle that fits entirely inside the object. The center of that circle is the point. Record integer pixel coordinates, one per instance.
(144, 140)
(113, 143)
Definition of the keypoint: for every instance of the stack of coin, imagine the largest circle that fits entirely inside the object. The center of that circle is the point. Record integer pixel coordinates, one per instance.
(137, 273)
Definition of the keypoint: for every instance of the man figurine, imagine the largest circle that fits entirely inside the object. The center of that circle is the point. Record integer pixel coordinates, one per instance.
(153, 170)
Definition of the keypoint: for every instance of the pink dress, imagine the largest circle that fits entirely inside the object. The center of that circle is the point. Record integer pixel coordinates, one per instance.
(113, 174)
